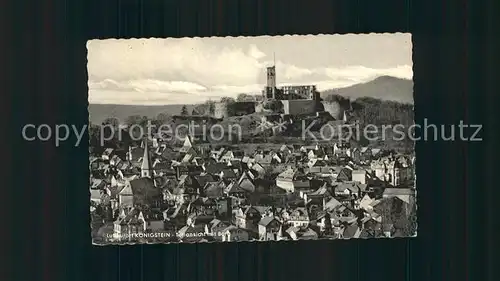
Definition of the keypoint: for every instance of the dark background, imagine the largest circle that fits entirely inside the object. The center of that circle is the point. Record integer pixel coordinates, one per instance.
(46, 217)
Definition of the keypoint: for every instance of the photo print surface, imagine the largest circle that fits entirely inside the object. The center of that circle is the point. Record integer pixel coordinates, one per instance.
(268, 138)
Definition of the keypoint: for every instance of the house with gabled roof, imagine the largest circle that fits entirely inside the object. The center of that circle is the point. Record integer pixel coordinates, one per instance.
(217, 153)
(269, 229)
(298, 217)
(233, 189)
(200, 181)
(354, 153)
(187, 169)
(247, 160)
(308, 234)
(248, 216)
(319, 166)
(129, 222)
(395, 213)
(307, 148)
(191, 234)
(227, 174)
(301, 233)
(98, 183)
(257, 167)
(107, 154)
(232, 154)
(336, 213)
(203, 206)
(214, 168)
(214, 189)
(264, 159)
(247, 182)
(345, 174)
(174, 195)
(395, 171)
(292, 233)
(239, 216)
(331, 204)
(140, 192)
(376, 152)
(341, 148)
(277, 158)
(166, 152)
(371, 229)
(407, 195)
(161, 167)
(135, 153)
(95, 196)
(292, 179)
(317, 154)
(366, 203)
(359, 176)
(352, 231)
(286, 149)
(233, 233)
(349, 189)
(366, 155)
(115, 160)
(235, 165)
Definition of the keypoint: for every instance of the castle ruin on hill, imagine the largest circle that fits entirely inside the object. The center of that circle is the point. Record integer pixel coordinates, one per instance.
(297, 100)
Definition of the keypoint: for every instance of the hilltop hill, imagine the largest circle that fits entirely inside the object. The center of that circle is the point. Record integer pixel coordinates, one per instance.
(383, 87)
(99, 112)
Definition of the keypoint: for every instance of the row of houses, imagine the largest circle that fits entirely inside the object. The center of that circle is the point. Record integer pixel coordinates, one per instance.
(198, 193)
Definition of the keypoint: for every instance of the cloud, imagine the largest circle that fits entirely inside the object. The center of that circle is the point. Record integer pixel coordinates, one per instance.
(173, 60)
(192, 70)
(147, 85)
(255, 53)
(151, 91)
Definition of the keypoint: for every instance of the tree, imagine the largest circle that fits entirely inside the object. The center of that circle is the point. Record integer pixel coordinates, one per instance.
(136, 120)
(211, 107)
(162, 118)
(94, 135)
(184, 110)
(274, 105)
(341, 100)
(244, 97)
(227, 100)
(113, 121)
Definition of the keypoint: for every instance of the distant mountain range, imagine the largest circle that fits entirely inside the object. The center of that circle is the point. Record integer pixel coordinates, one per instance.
(384, 88)
(99, 112)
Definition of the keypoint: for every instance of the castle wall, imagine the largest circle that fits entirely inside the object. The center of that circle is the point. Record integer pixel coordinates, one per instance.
(295, 107)
(333, 108)
(241, 108)
(299, 92)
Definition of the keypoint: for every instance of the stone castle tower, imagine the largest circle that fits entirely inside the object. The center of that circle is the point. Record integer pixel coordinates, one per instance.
(270, 91)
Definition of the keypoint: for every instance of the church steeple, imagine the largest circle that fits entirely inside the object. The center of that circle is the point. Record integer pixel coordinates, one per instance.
(344, 117)
(188, 142)
(146, 161)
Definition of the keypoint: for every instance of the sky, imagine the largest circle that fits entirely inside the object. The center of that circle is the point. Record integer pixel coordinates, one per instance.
(192, 70)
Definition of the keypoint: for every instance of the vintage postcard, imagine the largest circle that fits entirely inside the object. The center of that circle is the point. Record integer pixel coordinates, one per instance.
(269, 138)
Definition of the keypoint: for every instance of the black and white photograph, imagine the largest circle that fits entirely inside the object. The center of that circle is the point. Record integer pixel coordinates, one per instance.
(269, 138)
